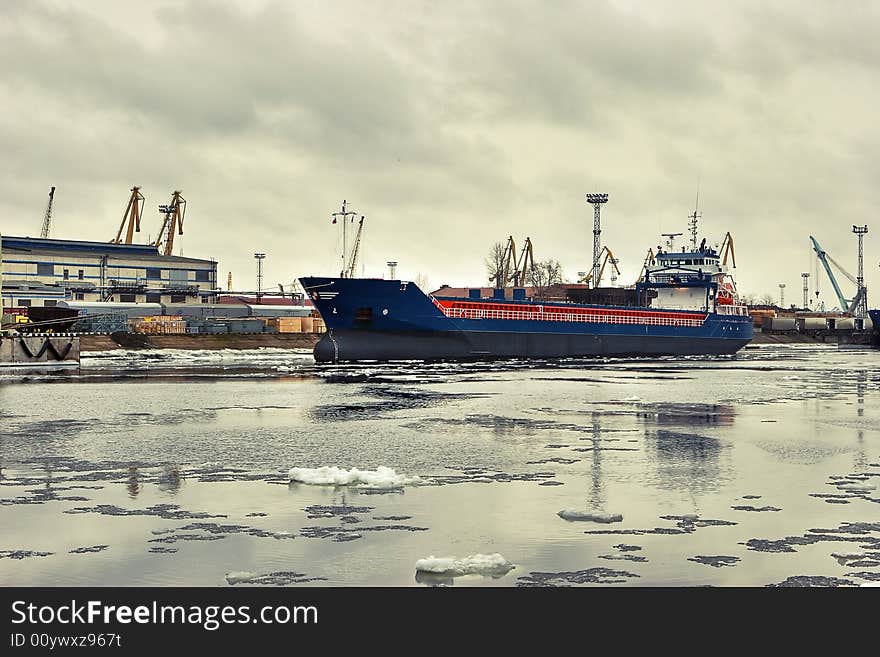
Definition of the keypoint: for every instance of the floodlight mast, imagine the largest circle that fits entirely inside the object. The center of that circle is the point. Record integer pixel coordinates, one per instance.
(596, 200)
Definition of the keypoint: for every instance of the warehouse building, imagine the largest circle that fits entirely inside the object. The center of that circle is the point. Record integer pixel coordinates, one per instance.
(38, 272)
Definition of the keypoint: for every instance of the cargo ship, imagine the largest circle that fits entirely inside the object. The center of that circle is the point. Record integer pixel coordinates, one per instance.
(684, 304)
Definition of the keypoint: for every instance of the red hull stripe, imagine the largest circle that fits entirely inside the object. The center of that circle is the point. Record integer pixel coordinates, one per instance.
(550, 312)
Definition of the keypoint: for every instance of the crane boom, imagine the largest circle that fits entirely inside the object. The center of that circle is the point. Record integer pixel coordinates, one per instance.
(355, 250)
(132, 216)
(607, 256)
(47, 218)
(525, 266)
(727, 249)
(823, 258)
(173, 223)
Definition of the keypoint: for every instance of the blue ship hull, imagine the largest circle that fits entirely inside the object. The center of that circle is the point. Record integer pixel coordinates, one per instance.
(381, 320)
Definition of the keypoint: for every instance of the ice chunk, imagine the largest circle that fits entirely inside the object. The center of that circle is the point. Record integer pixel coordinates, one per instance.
(573, 515)
(237, 577)
(380, 479)
(492, 565)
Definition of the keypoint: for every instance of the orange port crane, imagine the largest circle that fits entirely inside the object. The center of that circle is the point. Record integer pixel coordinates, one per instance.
(525, 266)
(174, 213)
(727, 249)
(607, 256)
(132, 217)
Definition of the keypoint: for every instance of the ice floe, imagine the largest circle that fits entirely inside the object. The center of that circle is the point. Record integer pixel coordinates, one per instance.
(491, 565)
(574, 515)
(382, 478)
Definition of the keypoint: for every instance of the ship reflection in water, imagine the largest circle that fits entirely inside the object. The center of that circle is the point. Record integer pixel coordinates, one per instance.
(266, 470)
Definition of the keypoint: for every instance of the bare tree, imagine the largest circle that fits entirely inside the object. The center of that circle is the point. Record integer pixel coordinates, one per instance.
(495, 264)
(768, 300)
(545, 274)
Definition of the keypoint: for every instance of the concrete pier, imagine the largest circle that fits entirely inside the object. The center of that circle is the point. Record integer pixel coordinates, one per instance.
(38, 352)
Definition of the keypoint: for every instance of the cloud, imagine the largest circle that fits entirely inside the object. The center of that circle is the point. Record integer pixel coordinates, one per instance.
(449, 126)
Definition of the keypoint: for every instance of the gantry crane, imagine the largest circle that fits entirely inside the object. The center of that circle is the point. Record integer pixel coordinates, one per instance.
(606, 256)
(355, 250)
(47, 218)
(173, 223)
(132, 217)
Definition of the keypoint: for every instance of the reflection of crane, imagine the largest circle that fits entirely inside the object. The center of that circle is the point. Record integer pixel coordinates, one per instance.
(827, 261)
(606, 256)
(132, 216)
(173, 223)
(525, 266)
(349, 273)
(47, 219)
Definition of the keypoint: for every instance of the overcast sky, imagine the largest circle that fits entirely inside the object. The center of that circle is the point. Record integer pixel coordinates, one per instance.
(449, 125)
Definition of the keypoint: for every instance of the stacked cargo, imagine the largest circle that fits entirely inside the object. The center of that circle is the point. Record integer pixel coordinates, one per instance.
(159, 325)
(285, 324)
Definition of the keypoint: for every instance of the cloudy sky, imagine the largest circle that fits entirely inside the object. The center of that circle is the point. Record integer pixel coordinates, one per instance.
(449, 126)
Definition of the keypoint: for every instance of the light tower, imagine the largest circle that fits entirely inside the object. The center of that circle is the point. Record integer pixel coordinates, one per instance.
(392, 269)
(260, 257)
(596, 200)
(782, 295)
(861, 309)
(806, 277)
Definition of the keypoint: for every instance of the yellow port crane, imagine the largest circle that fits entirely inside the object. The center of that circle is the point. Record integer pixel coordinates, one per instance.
(132, 217)
(607, 256)
(525, 266)
(229, 282)
(727, 249)
(173, 223)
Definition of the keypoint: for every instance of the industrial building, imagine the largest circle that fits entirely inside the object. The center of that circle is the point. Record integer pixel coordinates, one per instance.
(42, 272)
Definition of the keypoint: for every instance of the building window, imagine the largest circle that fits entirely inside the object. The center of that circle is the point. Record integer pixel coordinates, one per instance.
(154, 273)
(66, 274)
(25, 303)
(44, 269)
(80, 296)
(127, 298)
(81, 274)
(178, 298)
(154, 298)
(204, 299)
(203, 275)
(50, 303)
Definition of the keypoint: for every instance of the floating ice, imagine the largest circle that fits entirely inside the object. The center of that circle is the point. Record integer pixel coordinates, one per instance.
(573, 515)
(849, 556)
(381, 478)
(239, 576)
(632, 398)
(492, 565)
